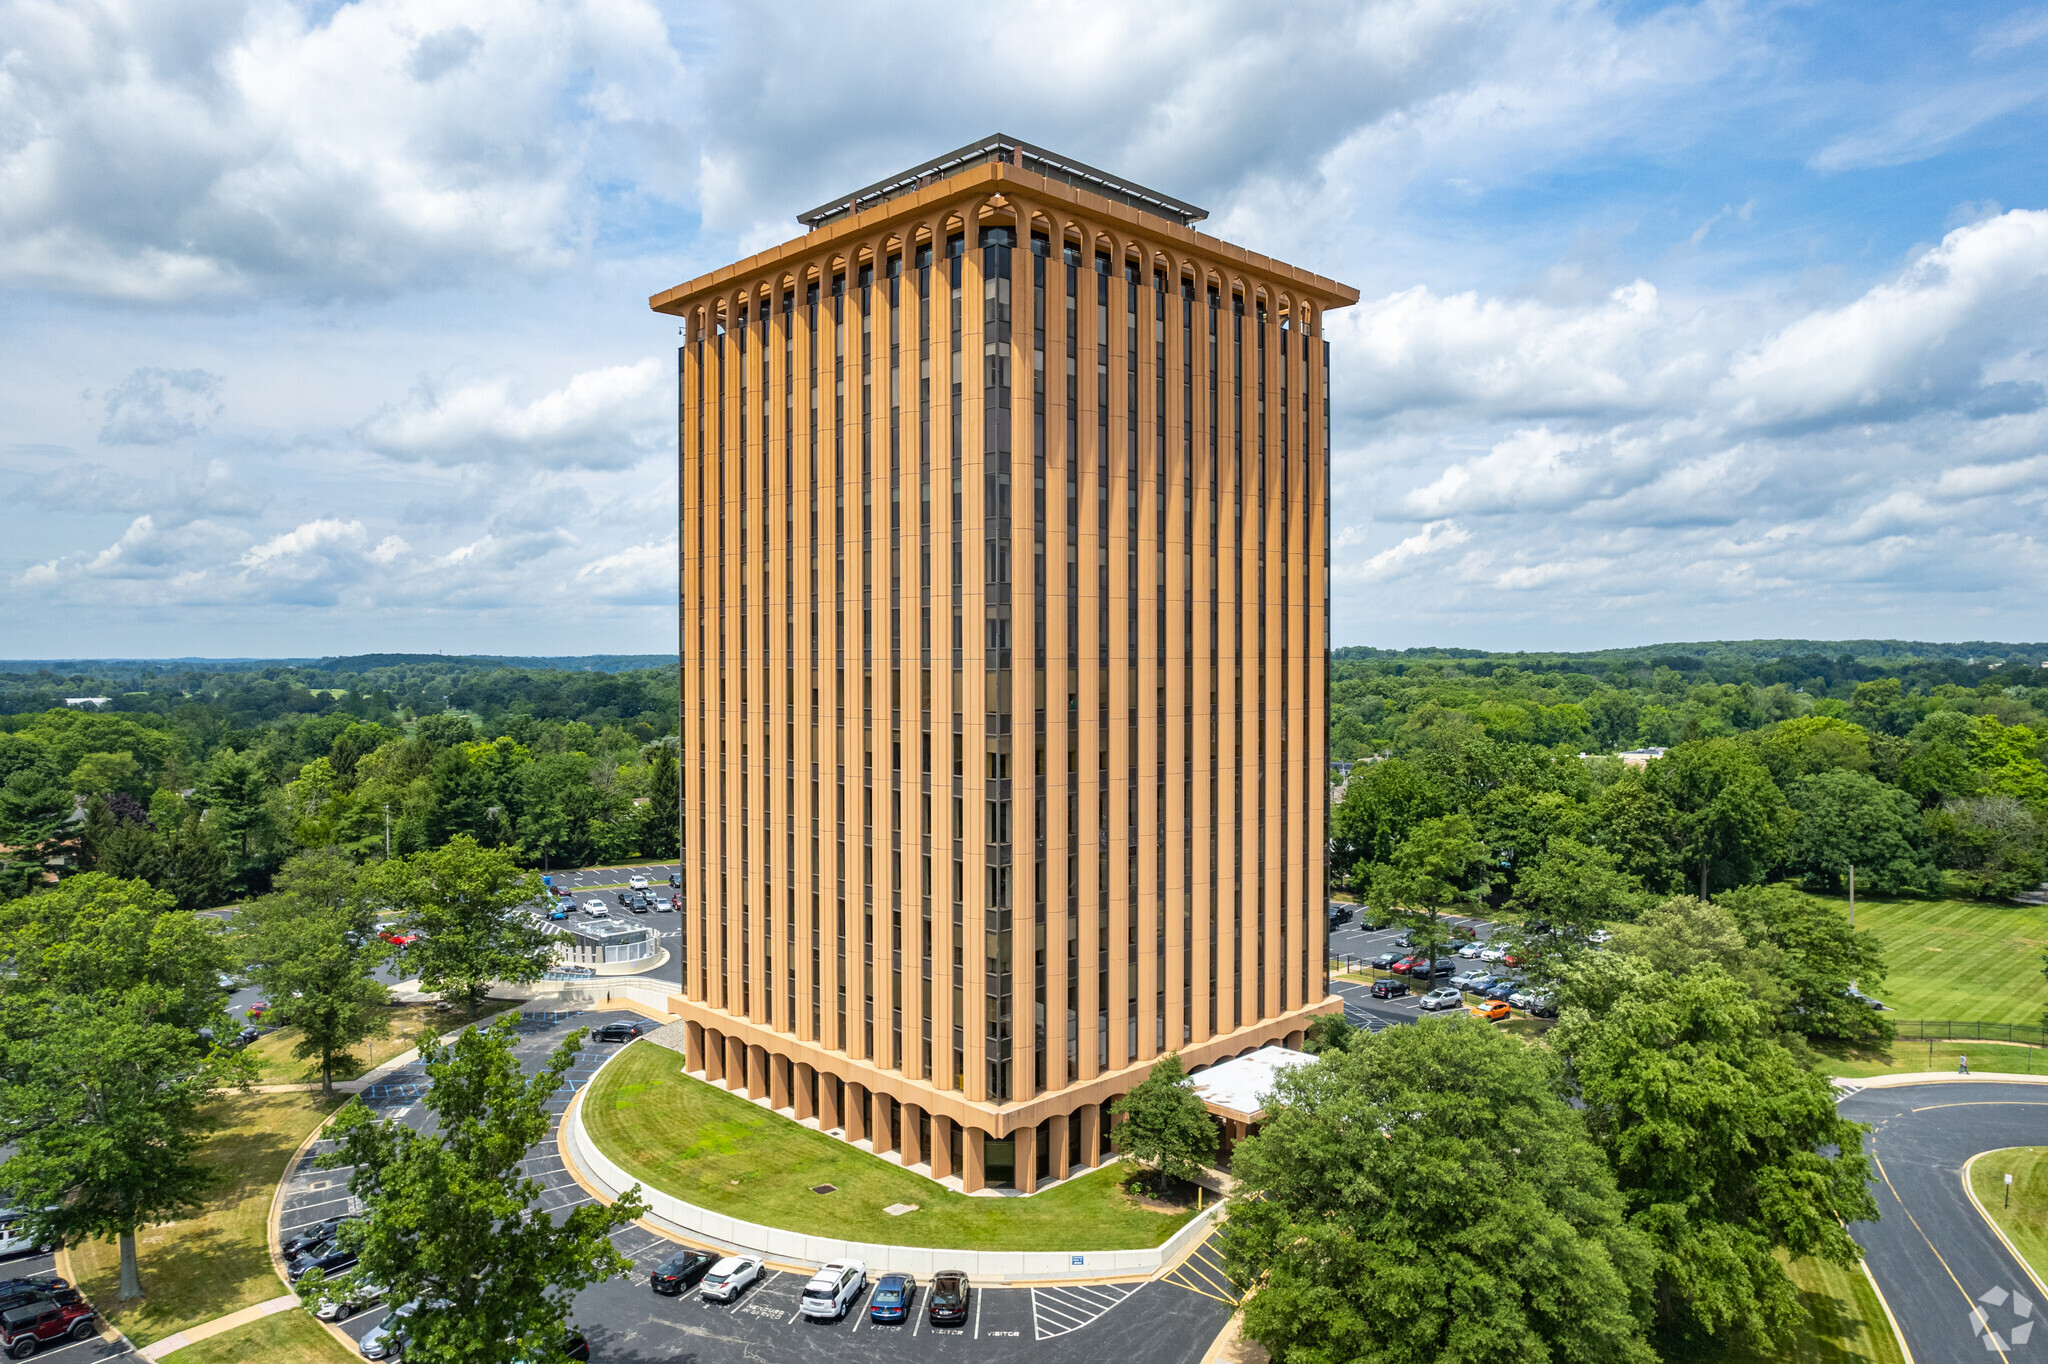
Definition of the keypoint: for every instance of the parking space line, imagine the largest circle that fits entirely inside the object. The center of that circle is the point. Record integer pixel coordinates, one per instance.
(978, 1296)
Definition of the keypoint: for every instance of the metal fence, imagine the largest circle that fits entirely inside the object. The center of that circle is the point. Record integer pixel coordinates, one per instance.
(1965, 1030)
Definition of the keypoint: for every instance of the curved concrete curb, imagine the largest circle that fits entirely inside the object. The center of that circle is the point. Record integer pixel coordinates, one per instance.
(1004, 1266)
(1992, 1222)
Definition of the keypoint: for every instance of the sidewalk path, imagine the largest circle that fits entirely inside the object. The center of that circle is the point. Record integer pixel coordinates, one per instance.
(193, 1334)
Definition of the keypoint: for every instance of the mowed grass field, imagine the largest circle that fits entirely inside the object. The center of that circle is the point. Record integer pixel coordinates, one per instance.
(697, 1142)
(1960, 959)
(215, 1259)
(273, 1051)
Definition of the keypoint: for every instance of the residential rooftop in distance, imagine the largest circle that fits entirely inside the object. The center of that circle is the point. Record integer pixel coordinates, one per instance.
(1002, 147)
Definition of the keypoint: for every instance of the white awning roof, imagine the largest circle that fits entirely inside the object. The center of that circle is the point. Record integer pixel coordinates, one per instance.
(1237, 1088)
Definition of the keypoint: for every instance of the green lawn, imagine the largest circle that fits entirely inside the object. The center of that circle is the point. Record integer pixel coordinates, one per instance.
(718, 1151)
(1963, 959)
(273, 1051)
(1908, 1055)
(215, 1259)
(1845, 1323)
(2025, 1222)
(280, 1338)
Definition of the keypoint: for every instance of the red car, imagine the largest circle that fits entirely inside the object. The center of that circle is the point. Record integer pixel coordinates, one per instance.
(26, 1329)
(257, 1009)
(398, 939)
(1407, 964)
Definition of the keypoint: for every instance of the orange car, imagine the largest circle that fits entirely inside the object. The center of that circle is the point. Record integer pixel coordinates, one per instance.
(1493, 1010)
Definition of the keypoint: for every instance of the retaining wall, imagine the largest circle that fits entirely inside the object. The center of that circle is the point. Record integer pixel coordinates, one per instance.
(923, 1261)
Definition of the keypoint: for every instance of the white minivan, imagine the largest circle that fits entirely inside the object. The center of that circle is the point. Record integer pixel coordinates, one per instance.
(833, 1289)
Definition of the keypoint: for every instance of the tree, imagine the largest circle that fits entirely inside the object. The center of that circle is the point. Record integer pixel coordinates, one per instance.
(451, 1218)
(1819, 956)
(664, 806)
(236, 795)
(1731, 815)
(1994, 847)
(1853, 828)
(1725, 1148)
(1330, 1032)
(460, 900)
(34, 808)
(314, 948)
(1441, 865)
(1680, 937)
(1639, 826)
(1573, 889)
(1382, 804)
(1165, 1124)
(1428, 1194)
(107, 1025)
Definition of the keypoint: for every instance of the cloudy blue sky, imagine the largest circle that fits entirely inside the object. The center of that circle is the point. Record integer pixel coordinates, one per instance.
(326, 328)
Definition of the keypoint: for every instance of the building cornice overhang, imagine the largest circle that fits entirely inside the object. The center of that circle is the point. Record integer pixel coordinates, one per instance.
(981, 184)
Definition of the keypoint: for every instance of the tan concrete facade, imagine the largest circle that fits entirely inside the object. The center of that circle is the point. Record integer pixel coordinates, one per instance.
(1004, 544)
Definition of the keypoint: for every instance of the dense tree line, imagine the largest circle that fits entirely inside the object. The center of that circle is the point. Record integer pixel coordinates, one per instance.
(204, 791)
(1942, 788)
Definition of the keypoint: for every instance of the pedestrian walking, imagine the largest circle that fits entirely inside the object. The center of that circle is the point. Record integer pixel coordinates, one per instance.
(1962, 1065)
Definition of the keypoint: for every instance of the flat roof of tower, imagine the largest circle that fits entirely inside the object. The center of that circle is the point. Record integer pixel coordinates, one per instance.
(1002, 147)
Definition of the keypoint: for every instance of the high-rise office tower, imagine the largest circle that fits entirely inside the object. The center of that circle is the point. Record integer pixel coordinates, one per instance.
(1005, 626)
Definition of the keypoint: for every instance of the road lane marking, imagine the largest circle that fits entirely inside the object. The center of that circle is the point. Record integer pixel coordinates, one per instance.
(1930, 1245)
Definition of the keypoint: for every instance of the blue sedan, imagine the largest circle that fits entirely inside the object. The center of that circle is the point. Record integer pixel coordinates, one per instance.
(893, 1296)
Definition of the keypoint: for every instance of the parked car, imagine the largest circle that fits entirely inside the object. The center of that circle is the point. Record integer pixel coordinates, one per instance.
(246, 1036)
(833, 1289)
(596, 909)
(22, 1292)
(1440, 969)
(1385, 960)
(345, 1305)
(675, 878)
(680, 1271)
(641, 904)
(893, 1297)
(29, 1327)
(1470, 951)
(625, 899)
(14, 1239)
(1492, 1011)
(386, 1340)
(329, 1258)
(1405, 965)
(398, 937)
(637, 883)
(621, 1032)
(304, 1239)
(557, 912)
(673, 903)
(1520, 997)
(1389, 989)
(1857, 996)
(1443, 997)
(1465, 980)
(946, 1303)
(1501, 989)
(257, 1010)
(729, 1278)
(1599, 936)
(1492, 953)
(1542, 1006)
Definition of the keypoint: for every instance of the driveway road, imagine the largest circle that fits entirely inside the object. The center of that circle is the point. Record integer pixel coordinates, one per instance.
(1933, 1254)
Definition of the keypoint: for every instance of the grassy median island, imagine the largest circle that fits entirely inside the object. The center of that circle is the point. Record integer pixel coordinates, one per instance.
(216, 1259)
(696, 1142)
(280, 1338)
(2025, 1222)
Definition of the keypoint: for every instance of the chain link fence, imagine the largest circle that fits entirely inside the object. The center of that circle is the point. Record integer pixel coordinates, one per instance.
(1964, 1030)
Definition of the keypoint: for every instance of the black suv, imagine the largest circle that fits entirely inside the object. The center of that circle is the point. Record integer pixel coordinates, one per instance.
(1389, 989)
(948, 1301)
(620, 1032)
(679, 1271)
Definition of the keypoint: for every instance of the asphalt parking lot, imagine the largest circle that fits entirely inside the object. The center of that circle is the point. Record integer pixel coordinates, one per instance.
(70, 1352)
(603, 883)
(1349, 939)
(1167, 1320)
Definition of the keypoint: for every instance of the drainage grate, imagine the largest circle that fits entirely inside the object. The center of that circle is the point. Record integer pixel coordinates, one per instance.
(824, 1188)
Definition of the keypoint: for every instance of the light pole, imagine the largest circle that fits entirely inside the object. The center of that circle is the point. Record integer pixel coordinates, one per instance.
(387, 831)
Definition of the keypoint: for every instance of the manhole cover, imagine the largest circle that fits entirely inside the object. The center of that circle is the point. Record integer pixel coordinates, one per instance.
(898, 1209)
(824, 1188)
